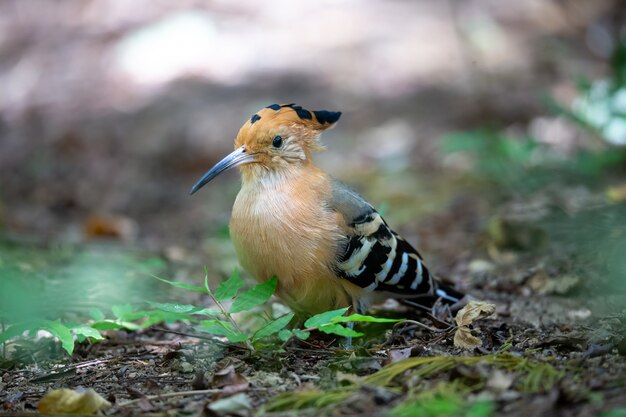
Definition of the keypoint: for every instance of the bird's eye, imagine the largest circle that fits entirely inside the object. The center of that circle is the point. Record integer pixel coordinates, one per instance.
(277, 142)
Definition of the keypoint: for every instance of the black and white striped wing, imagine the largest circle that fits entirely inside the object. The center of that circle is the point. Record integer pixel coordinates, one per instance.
(373, 256)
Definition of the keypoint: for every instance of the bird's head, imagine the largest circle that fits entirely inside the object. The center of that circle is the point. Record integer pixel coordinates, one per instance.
(276, 137)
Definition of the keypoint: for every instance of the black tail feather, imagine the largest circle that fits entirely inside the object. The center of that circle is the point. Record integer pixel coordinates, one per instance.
(448, 294)
(443, 293)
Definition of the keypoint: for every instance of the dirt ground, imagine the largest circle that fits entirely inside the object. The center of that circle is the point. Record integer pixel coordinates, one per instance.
(96, 163)
(565, 336)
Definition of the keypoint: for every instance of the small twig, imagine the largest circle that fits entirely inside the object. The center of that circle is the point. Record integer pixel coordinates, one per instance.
(91, 363)
(201, 337)
(310, 377)
(320, 350)
(296, 378)
(169, 394)
(438, 320)
(222, 309)
(138, 342)
(422, 325)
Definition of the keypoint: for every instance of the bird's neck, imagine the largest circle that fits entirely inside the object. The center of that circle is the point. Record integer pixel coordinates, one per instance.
(256, 177)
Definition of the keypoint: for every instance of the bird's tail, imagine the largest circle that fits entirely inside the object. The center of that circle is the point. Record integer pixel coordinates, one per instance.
(441, 292)
(448, 294)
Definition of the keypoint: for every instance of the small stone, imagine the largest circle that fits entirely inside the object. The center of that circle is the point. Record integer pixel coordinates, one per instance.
(480, 266)
(186, 367)
(499, 381)
(580, 314)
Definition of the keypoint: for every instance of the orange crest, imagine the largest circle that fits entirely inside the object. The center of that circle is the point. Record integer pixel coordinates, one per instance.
(285, 120)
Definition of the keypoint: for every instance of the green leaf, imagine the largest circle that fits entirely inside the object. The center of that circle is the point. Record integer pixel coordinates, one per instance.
(115, 325)
(173, 308)
(361, 318)
(221, 328)
(104, 325)
(207, 289)
(121, 310)
(182, 308)
(57, 329)
(87, 332)
(481, 409)
(158, 316)
(208, 312)
(96, 314)
(272, 327)
(301, 334)
(255, 296)
(339, 330)
(616, 412)
(62, 333)
(18, 328)
(227, 290)
(182, 285)
(324, 318)
(285, 335)
(127, 313)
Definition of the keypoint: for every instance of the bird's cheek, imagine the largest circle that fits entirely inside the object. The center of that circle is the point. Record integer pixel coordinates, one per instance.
(264, 159)
(278, 160)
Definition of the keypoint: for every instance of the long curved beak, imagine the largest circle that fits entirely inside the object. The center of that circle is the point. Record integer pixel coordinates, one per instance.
(237, 157)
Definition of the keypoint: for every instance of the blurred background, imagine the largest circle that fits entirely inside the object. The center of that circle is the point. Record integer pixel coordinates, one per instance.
(482, 129)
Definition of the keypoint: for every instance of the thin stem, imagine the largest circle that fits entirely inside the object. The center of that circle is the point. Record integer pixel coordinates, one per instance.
(222, 309)
(417, 323)
(201, 337)
(170, 394)
(4, 343)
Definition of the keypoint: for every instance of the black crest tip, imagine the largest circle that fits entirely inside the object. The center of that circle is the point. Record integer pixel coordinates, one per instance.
(324, 116)
(303, 113)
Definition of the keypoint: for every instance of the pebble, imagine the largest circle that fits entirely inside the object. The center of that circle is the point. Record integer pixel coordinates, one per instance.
(478, 266)
(186, 367)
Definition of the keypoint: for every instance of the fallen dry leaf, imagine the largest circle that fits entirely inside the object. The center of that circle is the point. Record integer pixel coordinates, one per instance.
(395, 355)
(230, 381)
(199, 381)
(474, 310)
(110, 226)
(463, 338)
(543, 284)
(228, 376)
(67, 401)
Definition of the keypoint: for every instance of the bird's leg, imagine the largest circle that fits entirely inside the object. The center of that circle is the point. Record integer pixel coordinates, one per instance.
(442, 311)
(348, 345)
(358, 307)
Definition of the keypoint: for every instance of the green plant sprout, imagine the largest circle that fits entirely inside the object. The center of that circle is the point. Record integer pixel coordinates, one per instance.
(216, 322)
(223, 324)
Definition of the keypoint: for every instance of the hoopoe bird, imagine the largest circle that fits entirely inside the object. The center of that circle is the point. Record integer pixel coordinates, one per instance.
(328, 247)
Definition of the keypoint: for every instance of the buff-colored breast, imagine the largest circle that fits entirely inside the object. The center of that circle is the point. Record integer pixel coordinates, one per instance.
(279, 228)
